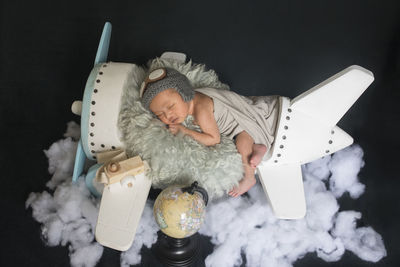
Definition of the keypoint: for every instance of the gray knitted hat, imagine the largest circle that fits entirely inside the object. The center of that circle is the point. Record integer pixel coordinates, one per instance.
(164, 79)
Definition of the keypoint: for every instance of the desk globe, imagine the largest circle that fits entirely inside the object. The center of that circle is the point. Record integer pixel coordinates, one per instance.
(179, 212)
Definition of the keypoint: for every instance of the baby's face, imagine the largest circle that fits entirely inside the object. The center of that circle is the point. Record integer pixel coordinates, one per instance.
(169, 107)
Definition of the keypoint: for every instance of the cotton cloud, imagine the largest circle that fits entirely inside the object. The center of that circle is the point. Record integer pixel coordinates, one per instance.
(245, 225)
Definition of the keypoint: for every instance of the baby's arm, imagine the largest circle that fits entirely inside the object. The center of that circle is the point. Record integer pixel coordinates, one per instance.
(205, 119)
(210, 134)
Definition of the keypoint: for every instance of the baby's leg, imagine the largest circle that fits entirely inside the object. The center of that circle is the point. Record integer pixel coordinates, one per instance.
(244, 145)
(257, 155)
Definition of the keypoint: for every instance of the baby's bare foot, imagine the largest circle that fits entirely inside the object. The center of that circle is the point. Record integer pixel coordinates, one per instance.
(258, 153)
(244, 185)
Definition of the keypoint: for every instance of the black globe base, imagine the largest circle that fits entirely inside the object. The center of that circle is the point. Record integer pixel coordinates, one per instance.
(182, 252)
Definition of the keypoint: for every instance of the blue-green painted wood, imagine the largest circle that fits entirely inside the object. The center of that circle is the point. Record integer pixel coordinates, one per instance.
(102, 50)
(90, 176)
(80, 158)
(85, 115)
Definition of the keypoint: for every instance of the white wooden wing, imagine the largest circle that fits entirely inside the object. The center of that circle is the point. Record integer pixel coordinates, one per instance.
(120, 211)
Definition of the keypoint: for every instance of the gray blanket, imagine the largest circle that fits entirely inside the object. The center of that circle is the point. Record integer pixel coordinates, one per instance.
(257, 115)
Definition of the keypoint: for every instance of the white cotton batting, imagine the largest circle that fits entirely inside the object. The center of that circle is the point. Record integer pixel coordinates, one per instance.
(345, 167)
(364, 241)
(243, 226)
(61, 157)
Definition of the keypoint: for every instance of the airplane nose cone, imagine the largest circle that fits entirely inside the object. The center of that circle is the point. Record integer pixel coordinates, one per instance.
(76, 107)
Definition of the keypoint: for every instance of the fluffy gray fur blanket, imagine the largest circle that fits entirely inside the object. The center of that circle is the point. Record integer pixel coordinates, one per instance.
(177, 159)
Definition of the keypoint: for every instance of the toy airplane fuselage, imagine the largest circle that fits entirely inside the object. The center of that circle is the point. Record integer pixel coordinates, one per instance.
(306, 131)
(120, 182)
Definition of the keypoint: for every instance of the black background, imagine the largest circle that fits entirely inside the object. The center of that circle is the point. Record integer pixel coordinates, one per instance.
(47, 49)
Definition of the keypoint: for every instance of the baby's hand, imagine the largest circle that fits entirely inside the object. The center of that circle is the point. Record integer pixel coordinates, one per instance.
(176, 128)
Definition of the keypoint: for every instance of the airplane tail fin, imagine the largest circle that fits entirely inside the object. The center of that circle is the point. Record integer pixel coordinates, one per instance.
(320, 100)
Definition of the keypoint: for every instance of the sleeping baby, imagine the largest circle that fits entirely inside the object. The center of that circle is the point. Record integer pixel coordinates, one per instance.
(250, 121)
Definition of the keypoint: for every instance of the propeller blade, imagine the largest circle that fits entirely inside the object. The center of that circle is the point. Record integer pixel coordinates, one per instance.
(102, 50)
(79, 164)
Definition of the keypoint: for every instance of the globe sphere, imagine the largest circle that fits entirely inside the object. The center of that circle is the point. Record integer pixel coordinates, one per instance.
(178, 213)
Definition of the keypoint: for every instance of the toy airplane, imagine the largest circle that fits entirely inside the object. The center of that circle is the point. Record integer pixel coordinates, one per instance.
(305, 131)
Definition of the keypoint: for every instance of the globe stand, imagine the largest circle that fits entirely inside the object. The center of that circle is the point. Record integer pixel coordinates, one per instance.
(182, 252)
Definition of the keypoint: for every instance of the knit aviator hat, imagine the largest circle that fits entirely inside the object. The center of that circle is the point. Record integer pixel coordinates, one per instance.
(162, 79)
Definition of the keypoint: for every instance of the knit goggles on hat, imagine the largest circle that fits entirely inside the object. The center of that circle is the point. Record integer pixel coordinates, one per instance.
(162, 79)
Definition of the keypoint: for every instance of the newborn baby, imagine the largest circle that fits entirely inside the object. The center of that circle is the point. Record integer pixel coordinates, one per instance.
(250, 121)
